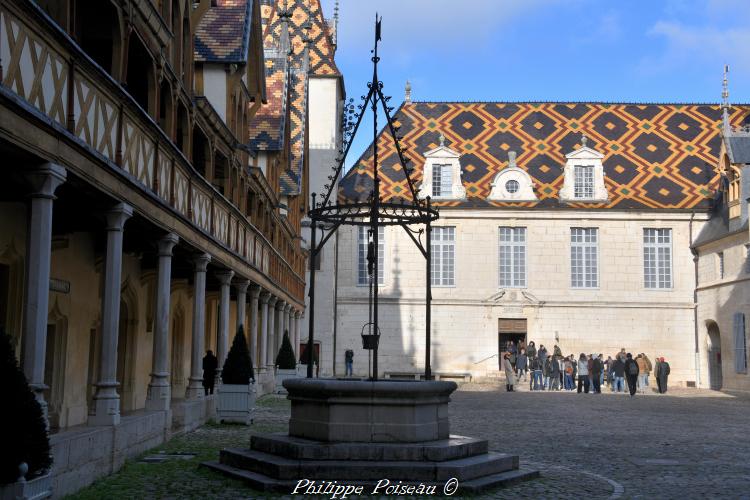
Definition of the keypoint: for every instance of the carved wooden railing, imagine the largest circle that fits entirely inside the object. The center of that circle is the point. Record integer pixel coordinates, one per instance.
(44, 67)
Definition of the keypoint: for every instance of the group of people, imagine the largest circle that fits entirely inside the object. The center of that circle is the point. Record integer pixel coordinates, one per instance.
(555, 372)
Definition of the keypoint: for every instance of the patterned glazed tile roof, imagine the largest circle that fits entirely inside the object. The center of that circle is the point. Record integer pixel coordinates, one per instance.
(287, 81)
(656, 156)
(223, 34)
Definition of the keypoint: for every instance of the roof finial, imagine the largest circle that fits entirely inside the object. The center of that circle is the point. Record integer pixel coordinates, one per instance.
(407, 92)
(725, 88)
(285, 15)
(511, 159)
(442, 140)
(584, 139)
(335, 23)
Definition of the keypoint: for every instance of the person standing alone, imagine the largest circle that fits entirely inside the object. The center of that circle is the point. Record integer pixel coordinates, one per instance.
(349, 362)
(631, 372)
(510, 379)
(210, 363)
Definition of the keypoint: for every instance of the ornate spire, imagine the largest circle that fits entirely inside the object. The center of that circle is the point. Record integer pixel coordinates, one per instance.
(407, 92)
(442, 140)
(335, 23)
(725, 101)
(584, 139)
(285, 15)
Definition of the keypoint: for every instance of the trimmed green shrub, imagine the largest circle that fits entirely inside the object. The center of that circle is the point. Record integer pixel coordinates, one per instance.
(285, 359)
(23, 430)
(238, 368)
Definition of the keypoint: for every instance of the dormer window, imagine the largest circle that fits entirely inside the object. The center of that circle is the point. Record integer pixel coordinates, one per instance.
(584, 176)
(442, 182)
(442, 174)
(512, 183)
(584, 181)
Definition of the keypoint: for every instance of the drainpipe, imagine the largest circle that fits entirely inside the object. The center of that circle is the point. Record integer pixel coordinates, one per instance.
(695, 303)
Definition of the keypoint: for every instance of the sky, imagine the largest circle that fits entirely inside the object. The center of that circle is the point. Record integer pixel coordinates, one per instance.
(545, 50)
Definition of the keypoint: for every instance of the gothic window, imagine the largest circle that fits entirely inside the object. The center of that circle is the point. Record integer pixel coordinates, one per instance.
(584, 257)
(363, 240)
(512, 257)
(657, 258)
(443, 242)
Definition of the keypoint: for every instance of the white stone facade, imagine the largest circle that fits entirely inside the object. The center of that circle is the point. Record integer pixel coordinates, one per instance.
(619, 313)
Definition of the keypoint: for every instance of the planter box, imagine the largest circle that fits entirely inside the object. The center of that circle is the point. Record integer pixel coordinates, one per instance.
(36, 489)
(282, 375)
(236, 403)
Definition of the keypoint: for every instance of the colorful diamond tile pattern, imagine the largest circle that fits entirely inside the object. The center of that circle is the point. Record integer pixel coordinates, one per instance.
(287, 80)
(223, 34)
(656, 155)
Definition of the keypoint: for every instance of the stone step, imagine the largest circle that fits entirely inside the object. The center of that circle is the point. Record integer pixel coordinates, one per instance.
(435, 451)
(264, 483)
(499, 480)
(284, 468)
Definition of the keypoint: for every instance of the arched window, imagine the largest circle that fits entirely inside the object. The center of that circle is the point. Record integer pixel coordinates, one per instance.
(139, 77)
(176, 41)
(97, 30)
(201, 151)
(187, 47)
(166, 107)
(182, 128)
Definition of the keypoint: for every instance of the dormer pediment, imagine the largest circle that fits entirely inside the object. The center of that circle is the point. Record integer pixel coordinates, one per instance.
(584, 153)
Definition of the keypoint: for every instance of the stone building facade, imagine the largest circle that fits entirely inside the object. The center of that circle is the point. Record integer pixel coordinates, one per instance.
(144, 217)
(722, 250)
(569, 224)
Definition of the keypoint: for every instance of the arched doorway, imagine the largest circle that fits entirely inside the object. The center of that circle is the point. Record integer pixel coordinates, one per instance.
(126, 354)
(177, 365)
(715, 377)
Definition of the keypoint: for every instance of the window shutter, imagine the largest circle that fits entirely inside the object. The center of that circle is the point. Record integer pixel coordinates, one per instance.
(740, 350)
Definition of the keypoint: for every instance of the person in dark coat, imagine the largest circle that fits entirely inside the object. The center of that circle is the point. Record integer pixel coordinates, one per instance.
(531, 350)
(521, 365)
(662, 374)
(210, 364)
(554, 374)
(631, 373)
(596, 374)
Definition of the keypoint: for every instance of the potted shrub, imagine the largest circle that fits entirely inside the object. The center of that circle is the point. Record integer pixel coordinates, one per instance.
(25, 460)
(237, 390)
(286, 364)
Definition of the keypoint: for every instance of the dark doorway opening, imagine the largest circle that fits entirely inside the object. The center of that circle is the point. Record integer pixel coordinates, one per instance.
(510, 332)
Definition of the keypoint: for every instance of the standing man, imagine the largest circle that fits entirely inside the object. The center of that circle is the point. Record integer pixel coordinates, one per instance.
(521, 364)
(210, 363)
(642, 373)
(662, 374)
(596, 373)
(349, 361)
(631, 372)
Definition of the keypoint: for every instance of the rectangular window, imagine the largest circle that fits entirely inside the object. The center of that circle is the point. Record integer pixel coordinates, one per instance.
(442, 183)
(657, 258)
(363, 240)
(720, 263)
(443, 244)
(584, 258)
(583, 181)
(740, 344)
(512, 257)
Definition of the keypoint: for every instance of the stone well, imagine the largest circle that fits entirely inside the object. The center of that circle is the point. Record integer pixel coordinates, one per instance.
(359, 432)
(388, 411)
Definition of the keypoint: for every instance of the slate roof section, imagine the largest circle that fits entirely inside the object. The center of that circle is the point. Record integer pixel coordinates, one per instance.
(223, 35)
(739, 147)
(267, 128)
(656, 156)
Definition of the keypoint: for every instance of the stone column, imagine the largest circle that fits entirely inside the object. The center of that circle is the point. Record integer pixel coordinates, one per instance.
(279, 332)
(253, 330)
(222, 340)
(287, 322)
(106, 400)
(241, 287)
(271, 333)
(43, 180)
(265, 297)
(297, 321)
(195, 386)
(159, 395)
(299, 334)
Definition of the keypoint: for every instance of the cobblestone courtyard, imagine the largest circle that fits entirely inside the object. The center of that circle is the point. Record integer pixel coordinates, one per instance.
(686, 444)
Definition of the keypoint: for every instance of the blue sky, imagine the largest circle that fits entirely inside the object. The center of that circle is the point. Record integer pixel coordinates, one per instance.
(546, 50)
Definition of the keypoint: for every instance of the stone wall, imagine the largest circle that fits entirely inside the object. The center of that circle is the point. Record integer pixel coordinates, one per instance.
(621, 312)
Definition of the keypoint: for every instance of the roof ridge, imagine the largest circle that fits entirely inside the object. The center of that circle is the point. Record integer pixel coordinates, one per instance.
(632, 103)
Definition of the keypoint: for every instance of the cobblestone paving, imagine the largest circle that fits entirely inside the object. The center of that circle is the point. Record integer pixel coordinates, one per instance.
(686, 444)
(683, 444)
